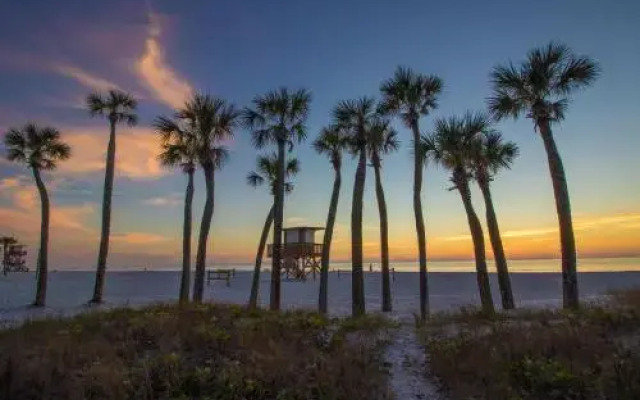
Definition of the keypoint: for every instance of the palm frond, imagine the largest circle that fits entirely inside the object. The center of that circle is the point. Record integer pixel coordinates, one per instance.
(38, 147)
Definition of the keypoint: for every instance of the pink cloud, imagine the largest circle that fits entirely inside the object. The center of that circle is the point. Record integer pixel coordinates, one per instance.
(137, 149)
(85, 78)
(157, 74)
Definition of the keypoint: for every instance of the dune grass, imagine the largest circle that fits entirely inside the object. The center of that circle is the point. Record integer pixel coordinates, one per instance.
(593, 353)
(193, 352)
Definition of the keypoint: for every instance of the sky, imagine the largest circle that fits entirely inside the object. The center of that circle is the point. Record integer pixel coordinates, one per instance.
(52, 54)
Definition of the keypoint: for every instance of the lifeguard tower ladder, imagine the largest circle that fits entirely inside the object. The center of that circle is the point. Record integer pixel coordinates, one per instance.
(301, 255)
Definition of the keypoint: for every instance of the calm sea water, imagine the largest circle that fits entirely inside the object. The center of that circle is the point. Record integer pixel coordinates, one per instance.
(542, 265)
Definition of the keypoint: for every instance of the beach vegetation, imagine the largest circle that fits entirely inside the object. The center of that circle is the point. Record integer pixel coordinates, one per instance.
(590, 353)
(192, 351)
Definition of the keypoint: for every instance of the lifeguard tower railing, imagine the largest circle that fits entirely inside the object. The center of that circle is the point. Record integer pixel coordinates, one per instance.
(297, 250)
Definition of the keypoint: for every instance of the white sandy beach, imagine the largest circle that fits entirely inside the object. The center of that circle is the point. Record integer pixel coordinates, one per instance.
(69, 291)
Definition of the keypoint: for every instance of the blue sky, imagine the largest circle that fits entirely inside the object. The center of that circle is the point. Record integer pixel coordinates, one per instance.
(53, 53)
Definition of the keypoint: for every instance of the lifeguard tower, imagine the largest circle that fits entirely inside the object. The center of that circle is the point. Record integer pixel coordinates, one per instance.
(301, 254)
(14, 260)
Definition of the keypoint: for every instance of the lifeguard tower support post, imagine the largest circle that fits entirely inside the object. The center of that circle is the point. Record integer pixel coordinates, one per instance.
(301, 254)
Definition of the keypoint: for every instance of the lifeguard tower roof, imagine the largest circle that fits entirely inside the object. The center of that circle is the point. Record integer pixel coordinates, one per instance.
(313, 228)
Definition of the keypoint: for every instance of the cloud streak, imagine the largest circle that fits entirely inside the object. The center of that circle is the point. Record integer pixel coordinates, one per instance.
(85, 78)
(160, 78)
(136, 157)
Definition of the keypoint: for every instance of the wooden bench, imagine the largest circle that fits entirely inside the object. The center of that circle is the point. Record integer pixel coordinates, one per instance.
(220, 275)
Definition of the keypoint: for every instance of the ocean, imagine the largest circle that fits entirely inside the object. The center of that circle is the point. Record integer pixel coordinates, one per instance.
(69, 291)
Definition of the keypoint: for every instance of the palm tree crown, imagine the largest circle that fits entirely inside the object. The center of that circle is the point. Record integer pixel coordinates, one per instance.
(117, 106)
(331, 142)
(210, 121)
(540, 86)
(491, 154)
(178, 144)
(279, 115)
(409, 94)
(267, 172)
(39, 148)
(355, 118)
(381, 139)
(452, 144)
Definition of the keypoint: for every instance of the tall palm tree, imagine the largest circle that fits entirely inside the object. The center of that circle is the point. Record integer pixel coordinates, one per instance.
(117, 107)
(6, 241)
(40, 148)
(180, 149)
(382, 139)
(279, 118)
(540, 88)
(266, 172)
(331, 142)
(490, 155)
(211, 120)
(356, 117)
(451, 146)
(412, 95)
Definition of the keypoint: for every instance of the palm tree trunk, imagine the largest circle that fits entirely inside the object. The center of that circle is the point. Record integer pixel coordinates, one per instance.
(563, 208)
(504, 280)
(418, 160)
(5, 244)
(205, 226)
(328, 235)
(384, 236)
(186, 240)
(255, 283)
(277, 229)
(357, 279)
(478, 247)
(106, 215)
(41, 285)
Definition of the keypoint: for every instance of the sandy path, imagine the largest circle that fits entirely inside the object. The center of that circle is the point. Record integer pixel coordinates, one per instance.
(408, 363)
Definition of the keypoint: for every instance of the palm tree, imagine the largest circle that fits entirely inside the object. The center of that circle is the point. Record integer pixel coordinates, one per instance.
(451, 146)
(211, 121)
(412, 95)
(180, 149)
(278, 117)
(356, 117)
(382, 139)
(40, 148)
(490, 155)
(331, 142)
(6, 241)
(539, 88)
(117, 107)
(267, 167)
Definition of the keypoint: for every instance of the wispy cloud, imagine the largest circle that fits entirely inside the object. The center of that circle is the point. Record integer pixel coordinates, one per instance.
(136, 157)
(166, 201)
(629, 221)
(158, 75)
(138, 238)
(85, 78)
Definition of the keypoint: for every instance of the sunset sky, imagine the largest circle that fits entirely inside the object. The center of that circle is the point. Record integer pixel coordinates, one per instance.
(53, 53)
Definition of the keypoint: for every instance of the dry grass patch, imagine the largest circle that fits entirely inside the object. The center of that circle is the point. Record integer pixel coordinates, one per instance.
(590, 354)
(194, 352)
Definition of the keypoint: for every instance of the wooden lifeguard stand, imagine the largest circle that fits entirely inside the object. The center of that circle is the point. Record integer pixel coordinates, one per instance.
(301, 254)
(14, 259)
